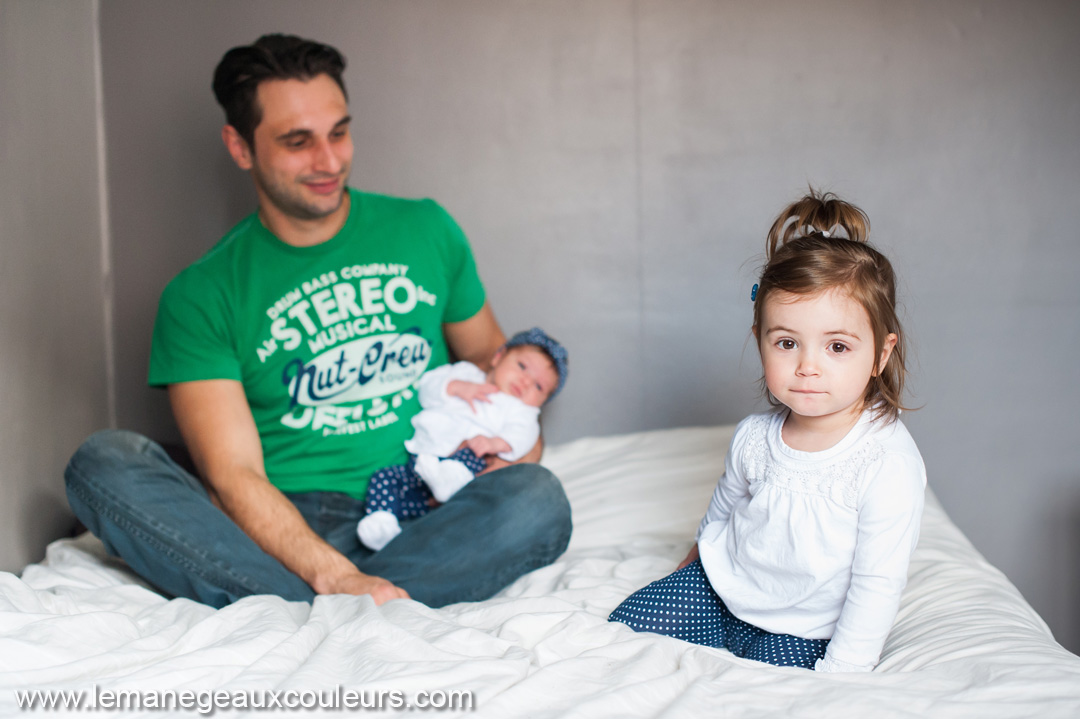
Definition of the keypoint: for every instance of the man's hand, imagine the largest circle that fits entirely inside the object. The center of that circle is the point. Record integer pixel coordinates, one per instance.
(470, 391)
(482, 446)
(690, 558)
(216, 423)
(356, 582)
(494, 461)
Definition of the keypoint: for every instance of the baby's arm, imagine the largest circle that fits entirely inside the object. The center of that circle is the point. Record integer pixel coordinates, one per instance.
(513, 435)
(890, 512)
(471, 391)
(520, 429)
(433, 387)
(483, 446)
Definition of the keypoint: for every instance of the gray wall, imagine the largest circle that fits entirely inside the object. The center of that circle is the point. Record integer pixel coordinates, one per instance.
(52, 344)
(616, 164)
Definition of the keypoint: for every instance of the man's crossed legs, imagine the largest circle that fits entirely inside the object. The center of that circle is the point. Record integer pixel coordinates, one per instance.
(159, 518)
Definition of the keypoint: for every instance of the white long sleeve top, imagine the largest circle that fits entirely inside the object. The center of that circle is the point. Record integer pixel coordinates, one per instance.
(445, 422)
(816, 544)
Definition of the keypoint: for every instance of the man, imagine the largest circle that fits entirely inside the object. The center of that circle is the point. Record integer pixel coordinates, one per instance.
(289, 352)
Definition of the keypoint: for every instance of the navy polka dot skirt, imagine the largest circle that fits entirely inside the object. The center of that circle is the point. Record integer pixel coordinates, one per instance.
(399, 489)
(685, 606)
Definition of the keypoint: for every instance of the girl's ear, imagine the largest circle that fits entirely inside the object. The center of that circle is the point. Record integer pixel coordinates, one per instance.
(886, 352)
(499, 354)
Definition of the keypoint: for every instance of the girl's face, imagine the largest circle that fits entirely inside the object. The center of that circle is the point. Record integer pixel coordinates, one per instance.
(818, 355)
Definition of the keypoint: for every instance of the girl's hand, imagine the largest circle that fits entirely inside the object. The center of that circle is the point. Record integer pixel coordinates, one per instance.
(690, 558)
(470, 391)
(487, 445)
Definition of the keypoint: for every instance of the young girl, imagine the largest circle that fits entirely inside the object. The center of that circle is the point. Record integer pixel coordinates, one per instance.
(804, 550)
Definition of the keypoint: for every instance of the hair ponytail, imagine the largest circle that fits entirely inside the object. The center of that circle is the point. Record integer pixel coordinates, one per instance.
(817, 213)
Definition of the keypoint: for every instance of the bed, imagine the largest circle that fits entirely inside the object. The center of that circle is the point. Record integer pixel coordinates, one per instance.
(965, 643)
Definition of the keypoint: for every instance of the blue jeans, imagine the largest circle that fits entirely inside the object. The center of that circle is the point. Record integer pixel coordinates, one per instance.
(156, 516)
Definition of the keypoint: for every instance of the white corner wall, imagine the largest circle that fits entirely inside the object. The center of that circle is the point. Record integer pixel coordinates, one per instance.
(52, 345)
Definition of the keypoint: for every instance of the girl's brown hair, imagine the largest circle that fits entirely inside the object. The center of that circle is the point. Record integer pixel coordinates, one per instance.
(819, 243)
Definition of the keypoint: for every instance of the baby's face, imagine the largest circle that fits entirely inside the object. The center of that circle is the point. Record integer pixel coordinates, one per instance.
(525, 372)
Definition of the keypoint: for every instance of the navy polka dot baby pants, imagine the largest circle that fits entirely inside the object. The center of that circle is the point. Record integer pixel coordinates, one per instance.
(398, 489)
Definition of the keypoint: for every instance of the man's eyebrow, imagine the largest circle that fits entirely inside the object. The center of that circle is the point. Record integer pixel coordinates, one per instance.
(294, 134)
(300, 132)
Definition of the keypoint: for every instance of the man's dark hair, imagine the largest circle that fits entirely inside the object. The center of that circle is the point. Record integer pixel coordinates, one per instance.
(271, 57)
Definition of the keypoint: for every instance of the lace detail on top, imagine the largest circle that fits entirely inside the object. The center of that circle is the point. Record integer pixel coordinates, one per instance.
(837, 480)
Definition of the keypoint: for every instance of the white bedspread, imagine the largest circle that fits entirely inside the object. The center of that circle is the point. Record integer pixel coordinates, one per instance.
(965, 644)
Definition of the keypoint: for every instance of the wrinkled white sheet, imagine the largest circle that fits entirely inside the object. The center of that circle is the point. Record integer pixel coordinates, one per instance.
(965, 644)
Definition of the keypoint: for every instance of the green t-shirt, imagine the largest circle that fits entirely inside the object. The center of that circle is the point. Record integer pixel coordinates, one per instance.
(328, 341)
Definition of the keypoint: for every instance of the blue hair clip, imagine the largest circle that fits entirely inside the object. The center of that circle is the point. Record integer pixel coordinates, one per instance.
(753, 293)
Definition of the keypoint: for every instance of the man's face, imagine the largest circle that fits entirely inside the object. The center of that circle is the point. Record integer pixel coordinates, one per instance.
(303, 149)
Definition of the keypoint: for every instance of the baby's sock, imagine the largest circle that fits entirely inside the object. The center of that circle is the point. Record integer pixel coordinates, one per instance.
(377, 529)
(443, 477)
